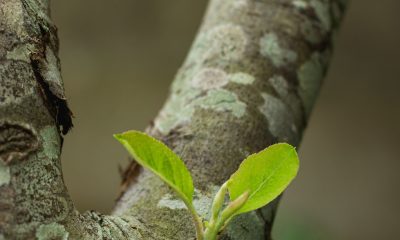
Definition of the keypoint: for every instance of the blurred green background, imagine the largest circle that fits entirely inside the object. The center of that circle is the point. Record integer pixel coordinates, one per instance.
(119, 57)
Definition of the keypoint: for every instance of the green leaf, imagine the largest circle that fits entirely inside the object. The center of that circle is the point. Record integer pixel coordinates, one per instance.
(265, 175)
(157, 157)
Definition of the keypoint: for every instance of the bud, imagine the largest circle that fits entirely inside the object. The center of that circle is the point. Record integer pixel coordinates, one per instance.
(234, 206)
(218, 201)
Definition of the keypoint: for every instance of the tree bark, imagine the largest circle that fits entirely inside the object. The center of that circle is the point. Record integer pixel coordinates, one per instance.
(250, 80)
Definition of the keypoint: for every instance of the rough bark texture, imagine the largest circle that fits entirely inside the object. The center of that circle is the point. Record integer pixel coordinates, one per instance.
(250, 80)
(33, 113)
(34, 203)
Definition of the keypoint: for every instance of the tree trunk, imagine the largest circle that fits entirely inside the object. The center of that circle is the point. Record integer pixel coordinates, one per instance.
(250, 80)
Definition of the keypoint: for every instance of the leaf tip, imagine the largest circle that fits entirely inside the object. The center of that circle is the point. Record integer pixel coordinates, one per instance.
(118, 136)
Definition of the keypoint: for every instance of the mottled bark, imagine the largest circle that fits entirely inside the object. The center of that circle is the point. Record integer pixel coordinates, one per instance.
(33, 113)
(250, 80)
(34, 203)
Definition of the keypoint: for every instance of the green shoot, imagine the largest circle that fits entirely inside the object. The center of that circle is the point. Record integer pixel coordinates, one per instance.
(260, 179)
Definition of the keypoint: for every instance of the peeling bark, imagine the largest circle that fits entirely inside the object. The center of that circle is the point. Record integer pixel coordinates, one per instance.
(250, 80)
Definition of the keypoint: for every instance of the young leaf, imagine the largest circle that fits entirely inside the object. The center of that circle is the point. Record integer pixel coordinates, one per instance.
(155, 156)
(265, 175)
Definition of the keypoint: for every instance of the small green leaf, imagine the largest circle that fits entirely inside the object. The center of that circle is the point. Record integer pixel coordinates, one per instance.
(155, 156)
(265, 175)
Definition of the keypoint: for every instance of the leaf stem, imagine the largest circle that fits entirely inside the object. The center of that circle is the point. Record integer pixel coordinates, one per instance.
(225, 217)
(196, 219)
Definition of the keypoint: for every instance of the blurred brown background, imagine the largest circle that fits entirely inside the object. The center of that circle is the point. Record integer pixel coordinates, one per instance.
(119, 57)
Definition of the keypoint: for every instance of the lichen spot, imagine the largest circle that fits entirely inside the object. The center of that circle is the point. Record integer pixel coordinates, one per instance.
(14, 83)
(228, 42)
(240, 3)
(322, 10)
(50, 140)
(222, 100)
(310, 76)
(201, 202)
(271, 48)
(210, 78)
(12, 16)
(4, 174)
(51, 74)
(301, 4)
(279, 84)
(52, 231)
(21, 52)
(167, 201)
(241, 78)
(279, 116)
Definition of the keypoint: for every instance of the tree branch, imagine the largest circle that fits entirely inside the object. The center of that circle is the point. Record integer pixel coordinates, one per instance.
(250, 80)
(34, 202)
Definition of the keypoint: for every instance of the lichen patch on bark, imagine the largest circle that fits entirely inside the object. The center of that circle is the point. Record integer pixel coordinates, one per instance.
(92, 226)
(51, 147)
(21, 52)
(202, 202)
(228, 42)
(322, 9)
(179, 111)
(12, 14)
(279, 84)
(242, 78)
(4, 174)
(222, 100)
(50, 72)
(210, 78)
(51, 231)
(280, 118)
(15, 86)
(310, 76)
(302, 4)
(271, 48)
